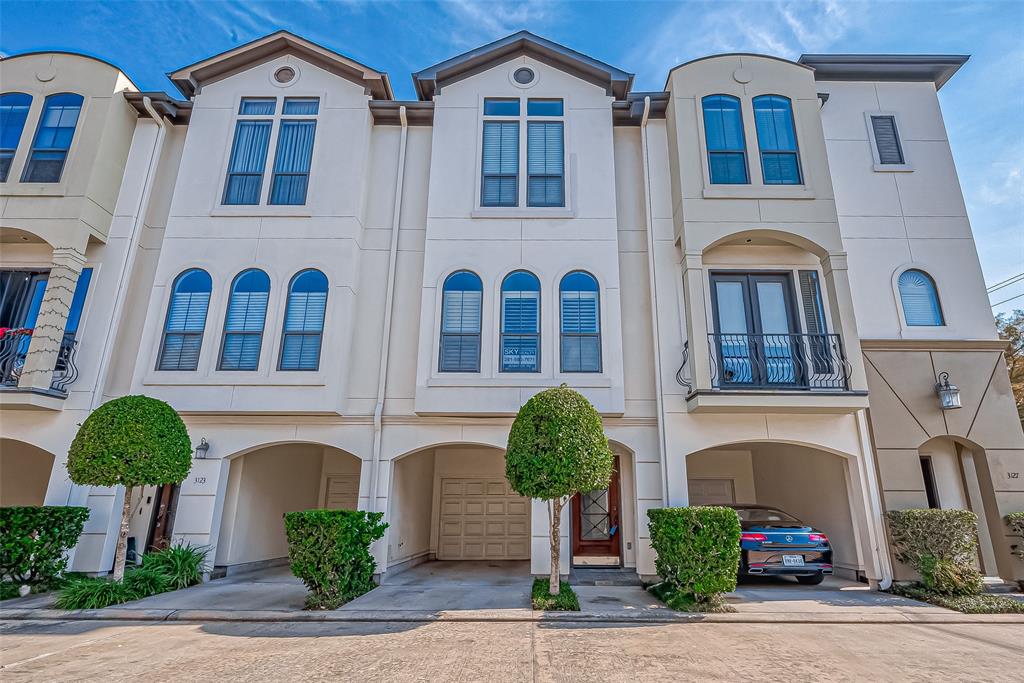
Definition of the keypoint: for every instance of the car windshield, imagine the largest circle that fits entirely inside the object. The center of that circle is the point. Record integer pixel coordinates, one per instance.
(764, 515)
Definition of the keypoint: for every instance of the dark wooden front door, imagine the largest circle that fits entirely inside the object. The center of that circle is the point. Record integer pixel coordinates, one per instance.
(163, 517)
(596, 527)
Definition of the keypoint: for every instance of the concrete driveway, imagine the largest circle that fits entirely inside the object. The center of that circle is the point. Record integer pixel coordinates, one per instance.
(834, 595)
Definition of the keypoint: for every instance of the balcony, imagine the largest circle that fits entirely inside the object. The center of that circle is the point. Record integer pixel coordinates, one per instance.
(790, 372)
(14, 349)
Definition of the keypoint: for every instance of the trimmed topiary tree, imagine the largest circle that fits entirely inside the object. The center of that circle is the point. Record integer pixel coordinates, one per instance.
(130, 441)
(556, 449)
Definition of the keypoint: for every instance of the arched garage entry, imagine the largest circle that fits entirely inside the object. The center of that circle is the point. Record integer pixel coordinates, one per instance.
(809, 483)
(265, 483)
(453, 502)
(24, 473)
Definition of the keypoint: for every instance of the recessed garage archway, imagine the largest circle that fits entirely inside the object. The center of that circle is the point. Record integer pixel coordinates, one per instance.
(452, 502)
(265, 483)
(24, 473)
(811, 484)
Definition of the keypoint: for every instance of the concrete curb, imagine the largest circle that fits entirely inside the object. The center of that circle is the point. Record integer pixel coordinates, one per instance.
(470, 616)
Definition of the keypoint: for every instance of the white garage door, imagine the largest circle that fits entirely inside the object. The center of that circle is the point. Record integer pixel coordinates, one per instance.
(712, 492)
(483, 519)
(343, 492)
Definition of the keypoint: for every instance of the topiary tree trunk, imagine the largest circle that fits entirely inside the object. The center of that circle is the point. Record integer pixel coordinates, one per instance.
(130, 441)
(556, 449)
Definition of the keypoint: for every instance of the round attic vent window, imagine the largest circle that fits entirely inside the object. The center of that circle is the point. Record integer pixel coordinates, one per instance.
(524, 76)
(285, 74)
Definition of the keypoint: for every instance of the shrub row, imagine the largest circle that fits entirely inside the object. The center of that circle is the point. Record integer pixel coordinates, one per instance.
(1015, 520)
(698, 554)
(34, 542)
(941, 545)
(329, 551)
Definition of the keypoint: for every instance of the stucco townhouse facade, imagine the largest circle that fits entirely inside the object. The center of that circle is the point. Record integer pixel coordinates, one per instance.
(760, 276)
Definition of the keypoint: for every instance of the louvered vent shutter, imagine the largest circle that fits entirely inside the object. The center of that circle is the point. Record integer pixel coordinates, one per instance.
(886, 140)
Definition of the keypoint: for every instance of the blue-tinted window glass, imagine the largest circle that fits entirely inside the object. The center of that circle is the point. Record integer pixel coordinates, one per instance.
(776, 137)
(723, 130)
(544, 108)
(257, 106)
(520, 323)
(581, 323)
(292, 161)
(301, 105)
(78, 302)
(500, 164)
(243, 324)
(53, 138)
(304, 321)
(461, 305)
(186, 319)
(248, 159)
(545, 162)
(13, 112)
(920, 299)
(496, 107)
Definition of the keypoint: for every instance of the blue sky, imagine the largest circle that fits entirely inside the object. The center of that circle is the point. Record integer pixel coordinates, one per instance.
(983, 105)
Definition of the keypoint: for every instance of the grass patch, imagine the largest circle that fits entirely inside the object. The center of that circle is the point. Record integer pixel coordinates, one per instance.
(982, 603)
(685, 602)
(565, 601)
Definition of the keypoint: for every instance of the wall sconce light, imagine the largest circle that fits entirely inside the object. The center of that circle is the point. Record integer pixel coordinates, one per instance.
(949, 394)
(202, 449)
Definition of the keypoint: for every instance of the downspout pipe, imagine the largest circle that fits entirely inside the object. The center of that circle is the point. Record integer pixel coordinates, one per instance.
(128, 266)
(389, 305)
(653, 281)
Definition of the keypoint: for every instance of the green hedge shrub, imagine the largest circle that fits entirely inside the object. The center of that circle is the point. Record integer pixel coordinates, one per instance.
(1015, 520)
(330, 551)
(941, 545)
(96, 593)
(698, 553)
(34, 542)
(182, 564)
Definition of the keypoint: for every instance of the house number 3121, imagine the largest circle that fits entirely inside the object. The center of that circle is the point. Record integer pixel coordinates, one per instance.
(199, 480)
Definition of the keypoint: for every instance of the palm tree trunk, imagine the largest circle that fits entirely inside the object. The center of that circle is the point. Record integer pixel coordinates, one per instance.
(122, 536)
(556, 546)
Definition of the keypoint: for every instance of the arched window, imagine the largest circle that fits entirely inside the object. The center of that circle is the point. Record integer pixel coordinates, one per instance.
(461, 303)
(776, 137)
(13, 112)
(186, 319)
(304, 321)
(581, 323)
(243, 323)
(520, 322)
(723, 133)
(920, 299)
(53, 138)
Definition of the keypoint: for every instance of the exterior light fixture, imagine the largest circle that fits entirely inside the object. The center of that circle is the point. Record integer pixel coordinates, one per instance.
(949, 394)
(202, 449)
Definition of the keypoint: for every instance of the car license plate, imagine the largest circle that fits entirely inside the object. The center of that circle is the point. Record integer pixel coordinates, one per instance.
(793, 560)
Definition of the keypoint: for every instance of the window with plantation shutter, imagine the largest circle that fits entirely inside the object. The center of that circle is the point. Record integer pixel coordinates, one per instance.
(243, 324)
(186, 319)
(920, 299)
(461, 305)
(304, 322)
(776, 137)
(520, 323)
(887, 140)
(581, 323)
(726, 144)
(545, 161)
(500, 164)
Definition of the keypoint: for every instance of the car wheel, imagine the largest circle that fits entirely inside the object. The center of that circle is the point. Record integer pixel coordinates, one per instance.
(812, 580)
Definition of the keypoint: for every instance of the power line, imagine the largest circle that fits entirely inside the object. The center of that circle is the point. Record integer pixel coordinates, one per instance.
(1008, 300)
(1005, 283)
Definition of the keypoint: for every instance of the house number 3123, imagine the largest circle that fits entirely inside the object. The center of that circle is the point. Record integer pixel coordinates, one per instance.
(199, 480)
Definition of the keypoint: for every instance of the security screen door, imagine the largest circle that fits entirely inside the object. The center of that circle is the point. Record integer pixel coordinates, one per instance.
(756, 335)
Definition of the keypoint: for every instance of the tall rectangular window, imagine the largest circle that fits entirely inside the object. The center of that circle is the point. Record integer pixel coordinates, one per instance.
(726, 144)
(545, 164)
(887, 140)
(248, 158)
(776, 136)
(500, 164)
(53, 139)
(13, 113)
(291, 163)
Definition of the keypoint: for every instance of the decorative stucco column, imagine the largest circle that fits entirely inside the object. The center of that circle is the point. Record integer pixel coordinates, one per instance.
(52, 319)
(844, 321)
(696, 320)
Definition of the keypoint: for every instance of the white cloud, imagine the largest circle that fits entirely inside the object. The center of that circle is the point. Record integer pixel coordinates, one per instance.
(1006, 188)
(481, 22)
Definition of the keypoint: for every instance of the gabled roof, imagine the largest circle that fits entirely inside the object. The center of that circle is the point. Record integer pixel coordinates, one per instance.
(189, 79)
(430, 80)
(935, 68)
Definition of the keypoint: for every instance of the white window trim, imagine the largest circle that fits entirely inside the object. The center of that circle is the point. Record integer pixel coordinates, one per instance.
(878, 166)
(263, 208)
(569, 163)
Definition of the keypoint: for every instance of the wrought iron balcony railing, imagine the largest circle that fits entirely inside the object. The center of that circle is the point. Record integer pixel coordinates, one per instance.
(779, 361)
(14, 344)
